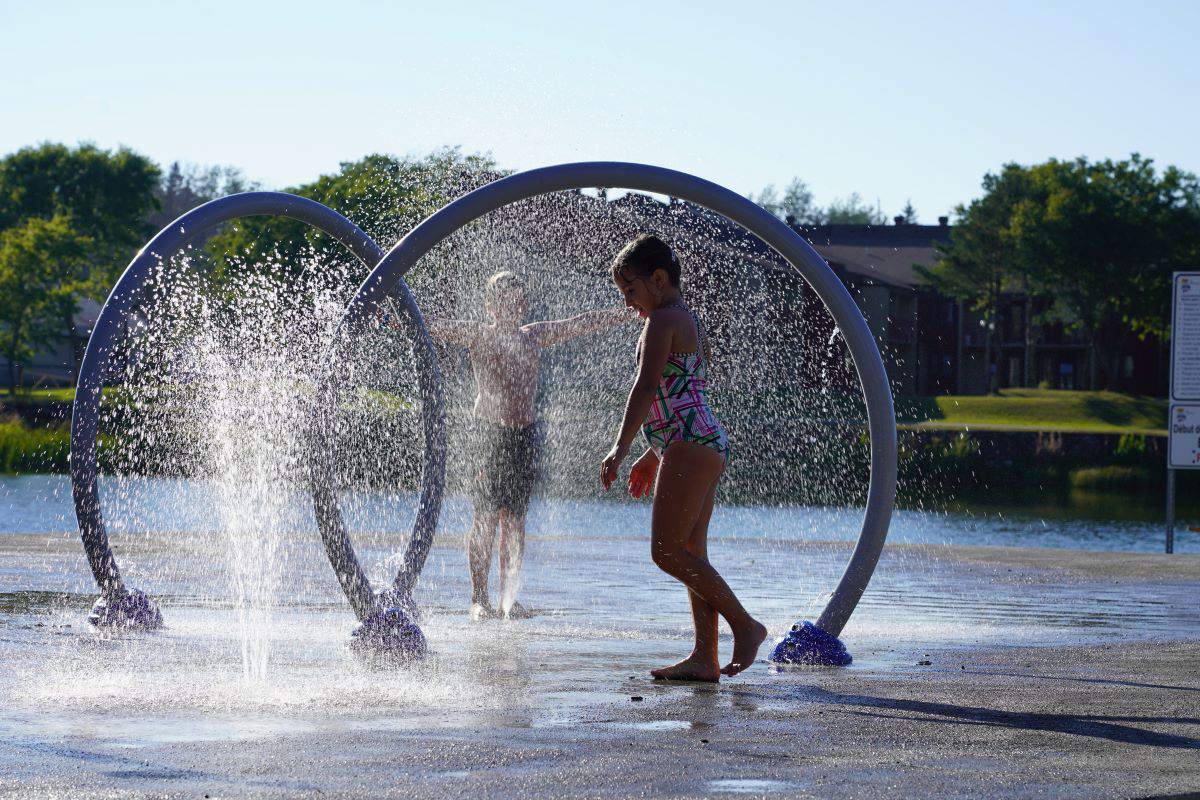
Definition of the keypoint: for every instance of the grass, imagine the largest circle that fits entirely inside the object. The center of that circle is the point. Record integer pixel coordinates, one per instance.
(1010, 409)
(1037, 409)
(25, 449)
(38, 396)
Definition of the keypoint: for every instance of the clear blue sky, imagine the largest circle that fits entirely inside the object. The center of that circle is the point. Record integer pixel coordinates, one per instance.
(892, 100)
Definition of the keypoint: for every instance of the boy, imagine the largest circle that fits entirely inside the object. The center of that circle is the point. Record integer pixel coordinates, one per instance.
(505, 357)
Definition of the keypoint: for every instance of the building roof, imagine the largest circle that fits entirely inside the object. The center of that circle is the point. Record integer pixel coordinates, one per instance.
(878, 253)
(864, 253)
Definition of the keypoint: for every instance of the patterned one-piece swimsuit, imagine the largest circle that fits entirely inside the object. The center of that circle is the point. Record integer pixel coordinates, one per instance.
(680, 410)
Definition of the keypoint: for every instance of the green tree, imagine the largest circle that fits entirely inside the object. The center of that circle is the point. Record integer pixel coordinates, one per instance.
(384, 195)
(1094, 242)
(106, 197)
(1102, 239)
(42, 276)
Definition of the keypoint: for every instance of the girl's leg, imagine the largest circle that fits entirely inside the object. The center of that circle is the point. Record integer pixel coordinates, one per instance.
(479, 557)
(512, 554)
(686, 475)
(702, 664)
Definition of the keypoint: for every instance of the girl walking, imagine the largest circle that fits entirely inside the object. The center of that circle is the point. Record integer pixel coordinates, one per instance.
(685, 457)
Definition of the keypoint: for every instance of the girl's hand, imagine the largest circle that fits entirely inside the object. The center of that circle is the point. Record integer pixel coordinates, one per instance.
(611, 463)
(641, 477)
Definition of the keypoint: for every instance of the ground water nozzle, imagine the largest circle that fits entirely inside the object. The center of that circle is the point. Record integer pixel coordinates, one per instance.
(390, 635)
(809, 645)
(400, 599)
(131, 609)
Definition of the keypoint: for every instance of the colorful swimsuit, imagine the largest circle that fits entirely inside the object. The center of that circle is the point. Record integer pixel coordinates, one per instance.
(680, 410)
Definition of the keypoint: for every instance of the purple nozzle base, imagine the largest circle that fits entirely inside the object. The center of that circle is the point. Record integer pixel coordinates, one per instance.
(402, 601)
(388, 634)
(809, 645)
(133, 609)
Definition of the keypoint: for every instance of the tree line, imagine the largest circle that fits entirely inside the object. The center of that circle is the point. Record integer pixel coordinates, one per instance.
(71, 219)
(1088, 245)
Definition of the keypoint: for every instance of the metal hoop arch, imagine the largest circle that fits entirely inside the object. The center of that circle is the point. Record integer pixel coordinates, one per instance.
(164, 245)
(803, 258)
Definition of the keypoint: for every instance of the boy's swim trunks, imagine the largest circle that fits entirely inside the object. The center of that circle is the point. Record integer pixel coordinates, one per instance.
(507, 467)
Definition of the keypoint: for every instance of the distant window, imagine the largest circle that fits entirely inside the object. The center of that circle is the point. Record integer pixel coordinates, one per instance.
(1128, 366)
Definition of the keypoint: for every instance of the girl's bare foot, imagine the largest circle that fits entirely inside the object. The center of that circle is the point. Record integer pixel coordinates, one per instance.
(745, 648)
(691, 668)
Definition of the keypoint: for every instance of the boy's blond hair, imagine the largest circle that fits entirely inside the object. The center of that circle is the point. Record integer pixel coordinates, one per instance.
(504, 288)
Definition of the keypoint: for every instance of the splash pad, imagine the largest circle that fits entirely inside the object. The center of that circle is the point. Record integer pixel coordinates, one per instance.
(386, 617)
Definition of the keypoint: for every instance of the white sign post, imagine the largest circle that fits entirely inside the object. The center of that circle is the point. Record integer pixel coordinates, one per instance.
(1183, 422)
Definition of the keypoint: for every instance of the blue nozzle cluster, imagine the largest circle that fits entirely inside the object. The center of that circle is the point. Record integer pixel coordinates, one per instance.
(133, 609)
(809, 645)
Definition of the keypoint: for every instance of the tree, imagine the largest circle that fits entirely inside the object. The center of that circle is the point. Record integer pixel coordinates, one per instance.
(102, 196)
(1103, 238)
(384, 195)
(797, 207)
(107, 195)
(43, 265)
(908, 214)
(185, 187)
(853, 211)
(1097, 241)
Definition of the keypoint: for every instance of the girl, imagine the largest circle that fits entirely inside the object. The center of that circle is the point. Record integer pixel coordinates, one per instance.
(686, 454)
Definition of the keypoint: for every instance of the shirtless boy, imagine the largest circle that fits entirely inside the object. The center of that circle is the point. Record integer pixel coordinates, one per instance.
(505, 357)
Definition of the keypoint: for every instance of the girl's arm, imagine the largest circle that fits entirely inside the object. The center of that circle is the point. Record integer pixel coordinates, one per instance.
(557, 331)
(456, 331)
(656, 346)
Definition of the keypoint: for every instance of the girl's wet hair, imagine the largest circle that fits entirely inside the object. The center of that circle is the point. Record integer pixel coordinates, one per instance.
(643, 255)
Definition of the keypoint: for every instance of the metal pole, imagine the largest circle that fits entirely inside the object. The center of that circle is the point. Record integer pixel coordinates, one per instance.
(1170, 510)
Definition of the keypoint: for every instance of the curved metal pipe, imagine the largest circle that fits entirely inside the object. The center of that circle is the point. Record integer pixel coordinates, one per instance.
(803, 258)
(172, 238)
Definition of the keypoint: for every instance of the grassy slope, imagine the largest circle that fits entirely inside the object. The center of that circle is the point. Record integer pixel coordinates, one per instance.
(1038, 409)
(1011, 409)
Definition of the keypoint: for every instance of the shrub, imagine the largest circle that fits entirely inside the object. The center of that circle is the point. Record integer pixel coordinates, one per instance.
(1131, 448)
(1111, 477)
(25, 449)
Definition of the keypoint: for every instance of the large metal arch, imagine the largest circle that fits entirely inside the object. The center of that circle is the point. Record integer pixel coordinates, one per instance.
(117, 603)
(797, 252)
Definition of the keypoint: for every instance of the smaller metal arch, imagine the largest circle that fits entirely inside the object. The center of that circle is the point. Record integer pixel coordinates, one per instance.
(117, 604)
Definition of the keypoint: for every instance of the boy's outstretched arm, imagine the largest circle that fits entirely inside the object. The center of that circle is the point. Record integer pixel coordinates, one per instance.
(456, 331)
(555, 331)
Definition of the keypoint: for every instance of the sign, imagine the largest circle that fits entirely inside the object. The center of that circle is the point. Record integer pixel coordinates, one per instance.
(1183, 448)
(1183, 423)
(1185, 338)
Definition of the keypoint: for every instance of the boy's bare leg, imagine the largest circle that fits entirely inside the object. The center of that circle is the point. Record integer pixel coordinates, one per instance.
(702, 664)
(479, 558)
(512, 556)
(686, 476)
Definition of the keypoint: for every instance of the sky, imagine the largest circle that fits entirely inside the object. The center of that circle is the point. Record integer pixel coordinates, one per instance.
(898, 102)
